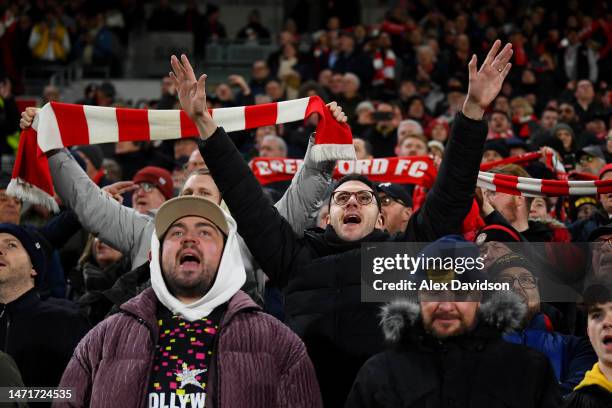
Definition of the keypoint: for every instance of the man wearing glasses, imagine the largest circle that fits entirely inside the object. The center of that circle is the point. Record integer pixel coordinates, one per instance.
(601, 254)
(321, 270)
(570, 356)
(152, 187)
(591, 160)
(396, 207)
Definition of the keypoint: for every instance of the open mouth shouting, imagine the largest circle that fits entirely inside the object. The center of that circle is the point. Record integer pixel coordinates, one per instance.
(353, 219)
(189, 259)
(607, 343)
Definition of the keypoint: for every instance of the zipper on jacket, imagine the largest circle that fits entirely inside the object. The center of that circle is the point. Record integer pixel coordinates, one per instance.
(215, 362)
(215, 359)
(8, 328)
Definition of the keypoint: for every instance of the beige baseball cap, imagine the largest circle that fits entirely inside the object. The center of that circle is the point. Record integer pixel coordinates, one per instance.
(187, 206)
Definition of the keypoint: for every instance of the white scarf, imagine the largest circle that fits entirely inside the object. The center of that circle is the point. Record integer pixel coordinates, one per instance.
(230, 278)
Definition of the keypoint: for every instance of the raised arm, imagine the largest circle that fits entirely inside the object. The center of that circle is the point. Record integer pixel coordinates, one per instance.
(304, 197)
(121, 227)
(267, 234)
(451, 196)
(60, 228)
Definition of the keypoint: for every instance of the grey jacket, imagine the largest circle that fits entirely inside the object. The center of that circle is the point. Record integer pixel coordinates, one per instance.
(130, 232)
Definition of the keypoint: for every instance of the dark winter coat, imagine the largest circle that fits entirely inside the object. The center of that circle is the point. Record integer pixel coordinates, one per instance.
(320, 272)
(257, 361)
(589, 397)
(40, 336)
(475, 370)
(95, 286)
(10, 377)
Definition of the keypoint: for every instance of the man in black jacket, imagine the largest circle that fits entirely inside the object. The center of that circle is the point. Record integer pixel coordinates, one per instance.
(321, 271)
(451, 354)
(40, 336)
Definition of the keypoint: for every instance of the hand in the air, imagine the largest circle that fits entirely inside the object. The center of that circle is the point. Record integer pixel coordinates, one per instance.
(486, 82)
(192, 94)
(27, 117)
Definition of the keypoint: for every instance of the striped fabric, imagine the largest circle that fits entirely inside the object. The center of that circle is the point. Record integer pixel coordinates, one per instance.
(530, 187)
(63, 125)
(59, 125)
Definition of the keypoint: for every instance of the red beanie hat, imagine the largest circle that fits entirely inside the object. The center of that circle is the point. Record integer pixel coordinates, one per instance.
(160, 178)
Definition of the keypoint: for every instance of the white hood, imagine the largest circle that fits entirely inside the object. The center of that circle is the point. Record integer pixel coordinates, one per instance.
(230, 278)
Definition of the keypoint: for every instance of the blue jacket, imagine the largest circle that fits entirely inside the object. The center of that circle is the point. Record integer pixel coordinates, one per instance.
(580, 230)
(570, 356)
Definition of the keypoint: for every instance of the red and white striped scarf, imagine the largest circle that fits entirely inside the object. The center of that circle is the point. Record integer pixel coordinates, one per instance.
(384, 67)
(552, 162)
(59, 125)
(420, 170)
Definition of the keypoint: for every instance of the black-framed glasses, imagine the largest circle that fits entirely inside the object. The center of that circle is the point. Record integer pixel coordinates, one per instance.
(146, 187)
(525, 281)
(363, 197)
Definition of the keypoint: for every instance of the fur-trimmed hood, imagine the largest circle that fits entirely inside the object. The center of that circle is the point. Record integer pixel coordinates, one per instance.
(503, 311)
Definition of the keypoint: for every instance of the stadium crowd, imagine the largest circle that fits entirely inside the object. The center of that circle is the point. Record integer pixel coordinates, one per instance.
(173, 276)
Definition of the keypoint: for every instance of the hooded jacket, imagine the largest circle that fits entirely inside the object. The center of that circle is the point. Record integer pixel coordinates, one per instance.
(320, 272)
(476, 369)
(257, 361)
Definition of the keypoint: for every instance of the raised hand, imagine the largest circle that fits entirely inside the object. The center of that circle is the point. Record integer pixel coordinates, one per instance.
(192, 95)
(336, 111)
(485, 83)
(27, 116)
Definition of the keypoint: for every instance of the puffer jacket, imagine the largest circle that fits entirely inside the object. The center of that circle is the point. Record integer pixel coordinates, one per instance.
(476, 370)
(258, 362)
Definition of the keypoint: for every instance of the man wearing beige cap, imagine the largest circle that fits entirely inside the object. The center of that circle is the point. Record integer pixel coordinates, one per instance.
(183, 341)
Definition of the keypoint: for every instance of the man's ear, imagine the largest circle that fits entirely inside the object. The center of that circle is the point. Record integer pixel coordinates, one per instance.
(33, 273)
(380, 222)
(407, 212)
(327, 218)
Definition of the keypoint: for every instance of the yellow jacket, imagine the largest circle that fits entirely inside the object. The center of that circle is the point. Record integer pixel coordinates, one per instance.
(41, 47)
(595, 377)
